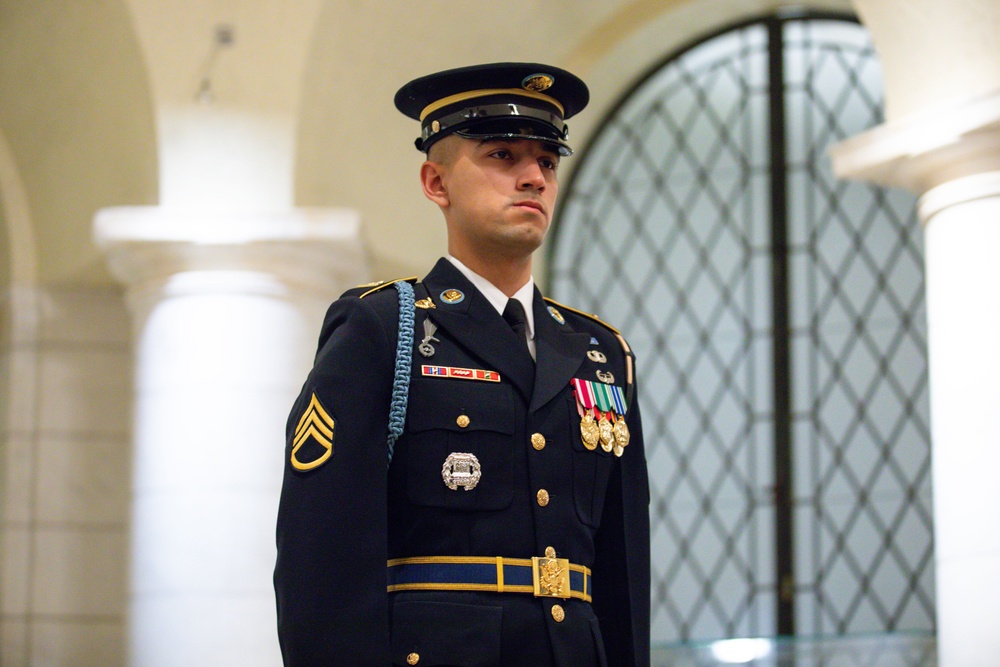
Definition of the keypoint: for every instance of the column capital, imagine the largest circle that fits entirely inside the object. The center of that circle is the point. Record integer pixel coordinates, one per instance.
(173, 251)
(922, 151)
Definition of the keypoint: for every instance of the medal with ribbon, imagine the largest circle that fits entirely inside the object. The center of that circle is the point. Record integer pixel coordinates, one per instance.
(602, 415)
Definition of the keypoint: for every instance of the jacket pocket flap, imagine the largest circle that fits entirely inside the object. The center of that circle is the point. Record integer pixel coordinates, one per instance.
(445, 633)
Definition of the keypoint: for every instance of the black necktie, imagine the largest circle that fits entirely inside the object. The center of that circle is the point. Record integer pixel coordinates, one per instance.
(514, 315)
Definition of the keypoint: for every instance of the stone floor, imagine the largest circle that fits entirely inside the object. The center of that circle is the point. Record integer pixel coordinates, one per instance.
(896, 650)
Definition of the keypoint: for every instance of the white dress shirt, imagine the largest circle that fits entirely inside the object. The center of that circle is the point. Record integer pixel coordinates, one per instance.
(526, 295)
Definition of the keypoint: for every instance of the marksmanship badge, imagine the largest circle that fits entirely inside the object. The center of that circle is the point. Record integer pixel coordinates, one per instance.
(461, 470)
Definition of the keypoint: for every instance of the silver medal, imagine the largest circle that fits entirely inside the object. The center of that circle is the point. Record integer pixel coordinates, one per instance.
(425, 348)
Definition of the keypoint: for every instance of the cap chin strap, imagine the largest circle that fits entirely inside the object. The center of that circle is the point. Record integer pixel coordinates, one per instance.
(494, 112)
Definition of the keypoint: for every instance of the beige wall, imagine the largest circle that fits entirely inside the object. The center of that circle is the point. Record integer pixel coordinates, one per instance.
(64, 476)
(5, 258)
(934, 52)
(76, 116)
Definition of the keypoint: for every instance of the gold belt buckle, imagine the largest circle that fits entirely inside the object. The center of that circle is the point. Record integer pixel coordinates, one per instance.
(550, 577)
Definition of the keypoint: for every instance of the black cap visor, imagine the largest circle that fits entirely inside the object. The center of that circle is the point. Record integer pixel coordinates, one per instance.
(507, 116)
(512, 131)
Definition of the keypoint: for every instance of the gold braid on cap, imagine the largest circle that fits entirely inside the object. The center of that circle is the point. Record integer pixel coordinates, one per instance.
(472, 94)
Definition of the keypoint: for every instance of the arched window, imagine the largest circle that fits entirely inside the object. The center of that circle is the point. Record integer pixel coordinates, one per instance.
(778, 318)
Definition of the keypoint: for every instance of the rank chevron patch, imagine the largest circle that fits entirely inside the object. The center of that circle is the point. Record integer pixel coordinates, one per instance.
(315, 423)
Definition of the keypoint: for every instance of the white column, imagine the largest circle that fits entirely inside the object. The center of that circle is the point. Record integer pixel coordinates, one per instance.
(952, 158)
(226, 313)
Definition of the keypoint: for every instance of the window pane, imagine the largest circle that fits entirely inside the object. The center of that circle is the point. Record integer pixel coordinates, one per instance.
(666, 233)
(862, 447)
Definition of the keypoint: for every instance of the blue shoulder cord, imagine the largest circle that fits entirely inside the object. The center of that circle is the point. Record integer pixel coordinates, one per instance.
(404, 358)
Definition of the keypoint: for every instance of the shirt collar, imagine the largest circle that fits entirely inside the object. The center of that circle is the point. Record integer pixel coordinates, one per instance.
(526, 295)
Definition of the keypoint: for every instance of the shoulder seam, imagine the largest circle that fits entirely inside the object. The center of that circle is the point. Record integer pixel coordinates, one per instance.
(382, 284)
(629, 370)
(589, 316)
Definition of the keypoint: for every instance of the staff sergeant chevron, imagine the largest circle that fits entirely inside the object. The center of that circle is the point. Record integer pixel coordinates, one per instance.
(315, 424)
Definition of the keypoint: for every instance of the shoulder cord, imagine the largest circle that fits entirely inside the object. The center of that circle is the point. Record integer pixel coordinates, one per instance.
(404, 358)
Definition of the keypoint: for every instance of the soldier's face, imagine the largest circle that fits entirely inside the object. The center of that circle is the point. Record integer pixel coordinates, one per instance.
(500, 194)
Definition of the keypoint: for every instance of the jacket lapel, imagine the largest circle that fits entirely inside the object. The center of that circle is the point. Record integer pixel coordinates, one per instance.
(559, 352)
(476, 325)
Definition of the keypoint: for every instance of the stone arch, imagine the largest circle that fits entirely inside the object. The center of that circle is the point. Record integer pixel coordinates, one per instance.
(78, 123)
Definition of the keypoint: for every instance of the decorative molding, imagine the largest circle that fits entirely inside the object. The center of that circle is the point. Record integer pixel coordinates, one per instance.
(926, 150)
(959, 191)
(160, 252)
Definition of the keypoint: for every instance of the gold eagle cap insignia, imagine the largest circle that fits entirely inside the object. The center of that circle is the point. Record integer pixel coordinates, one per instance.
(538, 82)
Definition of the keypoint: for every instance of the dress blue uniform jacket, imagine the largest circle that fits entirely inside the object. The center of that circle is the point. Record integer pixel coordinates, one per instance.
(340, 521)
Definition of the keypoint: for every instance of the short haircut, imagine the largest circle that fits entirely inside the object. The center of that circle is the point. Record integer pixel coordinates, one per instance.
(445, 150)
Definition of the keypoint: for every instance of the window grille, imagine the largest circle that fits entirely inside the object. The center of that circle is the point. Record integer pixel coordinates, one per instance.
(778, 318)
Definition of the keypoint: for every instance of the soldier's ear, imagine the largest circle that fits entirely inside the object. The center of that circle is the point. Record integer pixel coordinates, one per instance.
(432, 178)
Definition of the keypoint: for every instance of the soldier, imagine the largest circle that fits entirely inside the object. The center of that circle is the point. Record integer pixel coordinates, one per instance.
(511, 526)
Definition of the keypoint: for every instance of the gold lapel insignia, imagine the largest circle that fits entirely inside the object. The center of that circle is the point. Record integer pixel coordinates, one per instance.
(452, 296)
(556, 315)
(425, 303)
(315, 423)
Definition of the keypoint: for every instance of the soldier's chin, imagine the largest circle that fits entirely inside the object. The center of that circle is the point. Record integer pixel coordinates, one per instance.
(530, 238)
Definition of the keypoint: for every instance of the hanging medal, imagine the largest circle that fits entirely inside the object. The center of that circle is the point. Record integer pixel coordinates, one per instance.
(607, 433)
(425, 347)
(602, 416)
(604, 404)
(622, 435)
(590, 434)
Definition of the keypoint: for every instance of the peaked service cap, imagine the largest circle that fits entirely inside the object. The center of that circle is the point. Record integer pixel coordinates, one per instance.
(495, 101)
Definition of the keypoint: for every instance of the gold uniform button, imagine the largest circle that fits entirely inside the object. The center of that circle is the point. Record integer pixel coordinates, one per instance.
(412, 659)
(558, 613)
(538, 441)
(550, 552)
(462, 421)
(543, 497)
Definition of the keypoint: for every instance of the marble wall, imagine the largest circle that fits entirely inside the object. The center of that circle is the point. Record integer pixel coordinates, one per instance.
(65, 462)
